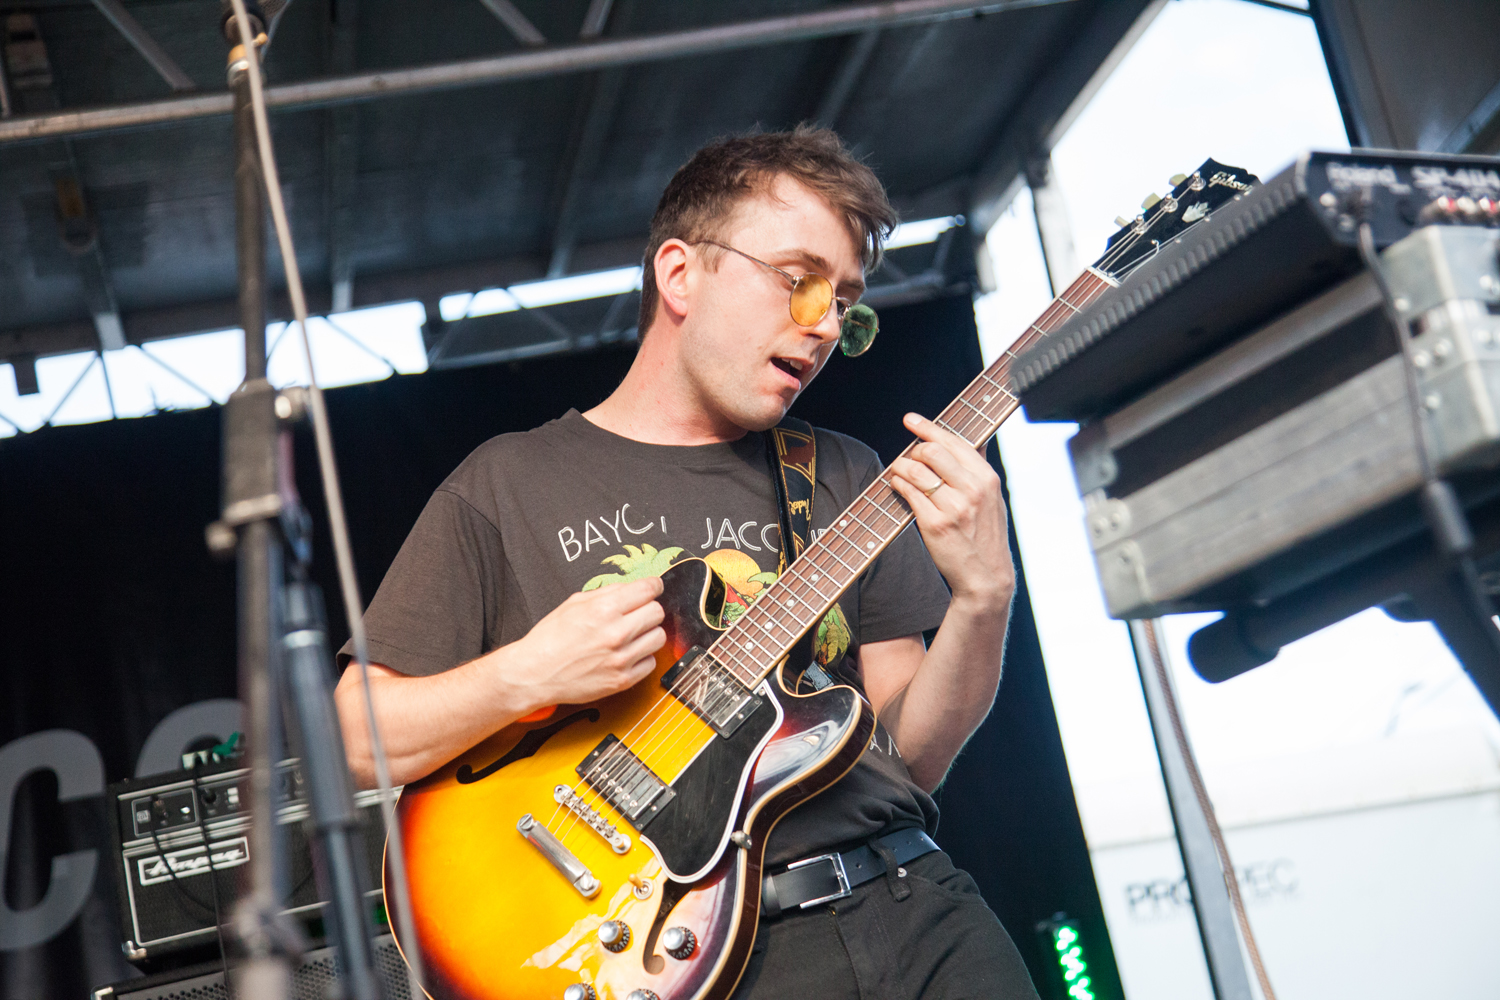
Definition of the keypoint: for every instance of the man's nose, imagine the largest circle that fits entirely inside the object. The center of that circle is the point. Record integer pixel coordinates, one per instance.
(827, 328)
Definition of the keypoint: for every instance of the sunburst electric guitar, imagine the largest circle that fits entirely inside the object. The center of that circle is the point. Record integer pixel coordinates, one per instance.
(613, 850)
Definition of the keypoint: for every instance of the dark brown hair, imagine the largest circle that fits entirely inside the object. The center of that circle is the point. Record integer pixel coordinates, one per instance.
(705, 191)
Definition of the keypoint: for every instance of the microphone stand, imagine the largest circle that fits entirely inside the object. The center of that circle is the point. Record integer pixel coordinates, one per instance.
(284, 662)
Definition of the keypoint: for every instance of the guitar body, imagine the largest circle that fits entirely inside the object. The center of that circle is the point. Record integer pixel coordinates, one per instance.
(497, 919)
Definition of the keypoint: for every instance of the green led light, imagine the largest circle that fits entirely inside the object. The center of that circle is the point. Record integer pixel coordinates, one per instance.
(1073, 966)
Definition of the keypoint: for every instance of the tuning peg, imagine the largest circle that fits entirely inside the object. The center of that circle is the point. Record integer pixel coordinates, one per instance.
(1150, 202)
(1120, 220)
(1177, 179)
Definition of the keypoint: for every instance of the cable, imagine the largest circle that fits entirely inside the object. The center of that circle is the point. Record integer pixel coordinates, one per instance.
(161, 852)
(1440, 505)
(213, 880)
(343, 552)
(1231, 882)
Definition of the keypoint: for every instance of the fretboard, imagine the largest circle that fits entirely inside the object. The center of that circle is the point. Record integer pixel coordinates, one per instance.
(828, 566)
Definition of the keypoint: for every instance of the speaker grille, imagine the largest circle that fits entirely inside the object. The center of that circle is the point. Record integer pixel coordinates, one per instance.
(311, 981)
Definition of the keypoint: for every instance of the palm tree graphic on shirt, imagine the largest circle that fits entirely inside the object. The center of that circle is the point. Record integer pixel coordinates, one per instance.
(744, 582)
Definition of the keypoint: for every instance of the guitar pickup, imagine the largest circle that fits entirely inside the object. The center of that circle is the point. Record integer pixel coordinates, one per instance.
(710, 692)
(625, 781)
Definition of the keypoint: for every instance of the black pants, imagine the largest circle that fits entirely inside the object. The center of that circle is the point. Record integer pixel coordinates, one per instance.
(926, 934)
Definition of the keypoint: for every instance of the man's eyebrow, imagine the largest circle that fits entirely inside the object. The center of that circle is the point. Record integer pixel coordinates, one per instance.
(817, 262)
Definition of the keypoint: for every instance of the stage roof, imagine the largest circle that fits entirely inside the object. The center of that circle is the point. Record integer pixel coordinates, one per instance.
(408, 186)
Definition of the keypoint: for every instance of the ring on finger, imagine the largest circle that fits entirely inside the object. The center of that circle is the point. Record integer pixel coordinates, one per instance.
(935, 487)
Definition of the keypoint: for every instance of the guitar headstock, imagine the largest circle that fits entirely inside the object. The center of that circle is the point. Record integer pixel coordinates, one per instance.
(1192, 198)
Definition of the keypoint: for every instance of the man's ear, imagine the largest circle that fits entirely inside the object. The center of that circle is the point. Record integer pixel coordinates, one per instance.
(673, 278)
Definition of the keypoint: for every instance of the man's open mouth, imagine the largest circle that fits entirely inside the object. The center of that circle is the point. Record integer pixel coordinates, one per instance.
(791, 366)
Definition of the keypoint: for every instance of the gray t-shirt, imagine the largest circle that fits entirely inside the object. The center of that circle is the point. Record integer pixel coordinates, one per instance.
(530, 518)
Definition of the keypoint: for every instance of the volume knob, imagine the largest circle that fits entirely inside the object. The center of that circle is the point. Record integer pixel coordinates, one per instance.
(641, 995)
(580, 991)
(614, 935)
(679, 942)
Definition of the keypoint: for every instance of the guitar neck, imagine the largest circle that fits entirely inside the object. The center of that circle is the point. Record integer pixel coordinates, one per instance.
(766, 632)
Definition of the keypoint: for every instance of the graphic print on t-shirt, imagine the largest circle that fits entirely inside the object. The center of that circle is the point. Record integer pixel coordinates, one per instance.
(744, 581)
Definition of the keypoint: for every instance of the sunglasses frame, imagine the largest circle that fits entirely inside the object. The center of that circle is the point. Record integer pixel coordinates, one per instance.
(845, 311)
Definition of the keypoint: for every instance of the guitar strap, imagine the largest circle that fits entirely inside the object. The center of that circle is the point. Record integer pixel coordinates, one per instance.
(792, 455)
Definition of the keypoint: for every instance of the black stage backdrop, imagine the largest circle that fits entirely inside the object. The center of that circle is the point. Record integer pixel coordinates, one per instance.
(117, 641)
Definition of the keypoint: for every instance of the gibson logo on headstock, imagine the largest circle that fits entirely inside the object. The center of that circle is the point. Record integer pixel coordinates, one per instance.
(1225, 179)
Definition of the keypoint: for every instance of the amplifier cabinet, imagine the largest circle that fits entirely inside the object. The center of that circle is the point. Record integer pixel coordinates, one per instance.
(1213, 489)
(162, 868)
(315, 979)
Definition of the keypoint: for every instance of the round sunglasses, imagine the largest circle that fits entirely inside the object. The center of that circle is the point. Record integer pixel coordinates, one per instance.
(812, 296)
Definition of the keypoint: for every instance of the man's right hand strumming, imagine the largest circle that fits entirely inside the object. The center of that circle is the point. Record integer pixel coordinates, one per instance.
(592, 645)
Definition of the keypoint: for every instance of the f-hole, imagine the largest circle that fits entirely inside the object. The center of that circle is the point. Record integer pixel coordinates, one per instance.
(671, 894)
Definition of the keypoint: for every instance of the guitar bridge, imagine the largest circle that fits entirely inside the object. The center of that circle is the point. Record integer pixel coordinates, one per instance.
(710, 692)
(625, 781)
(565, 796)
(564, 860)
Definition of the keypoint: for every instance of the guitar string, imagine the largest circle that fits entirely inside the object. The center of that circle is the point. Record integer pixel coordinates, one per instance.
(866, 506)
(657, 736)
(621, 752)
(862, 512)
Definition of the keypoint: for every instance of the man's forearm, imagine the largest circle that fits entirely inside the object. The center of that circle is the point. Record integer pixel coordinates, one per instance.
(424, 721)
(952, 689)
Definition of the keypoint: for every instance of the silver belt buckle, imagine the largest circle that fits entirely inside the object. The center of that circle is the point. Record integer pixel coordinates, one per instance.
(837, 860)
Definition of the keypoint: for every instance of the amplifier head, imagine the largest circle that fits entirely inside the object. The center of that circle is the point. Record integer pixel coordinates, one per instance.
(171, 887)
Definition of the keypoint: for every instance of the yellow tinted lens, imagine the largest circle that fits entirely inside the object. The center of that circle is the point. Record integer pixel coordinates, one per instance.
(858, 330)
(812, 294)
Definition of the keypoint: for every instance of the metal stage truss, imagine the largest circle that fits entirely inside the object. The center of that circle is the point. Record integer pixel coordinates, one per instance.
(486, 144)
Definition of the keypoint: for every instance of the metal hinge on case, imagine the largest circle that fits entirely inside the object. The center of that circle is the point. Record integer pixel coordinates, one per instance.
(1094, 465)
(1122, 572)
(1108, 519)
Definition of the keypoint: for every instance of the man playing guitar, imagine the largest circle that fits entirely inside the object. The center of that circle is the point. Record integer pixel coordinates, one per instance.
(497, 606)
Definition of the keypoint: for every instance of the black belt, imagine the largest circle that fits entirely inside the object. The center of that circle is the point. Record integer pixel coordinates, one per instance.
(828, 877)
